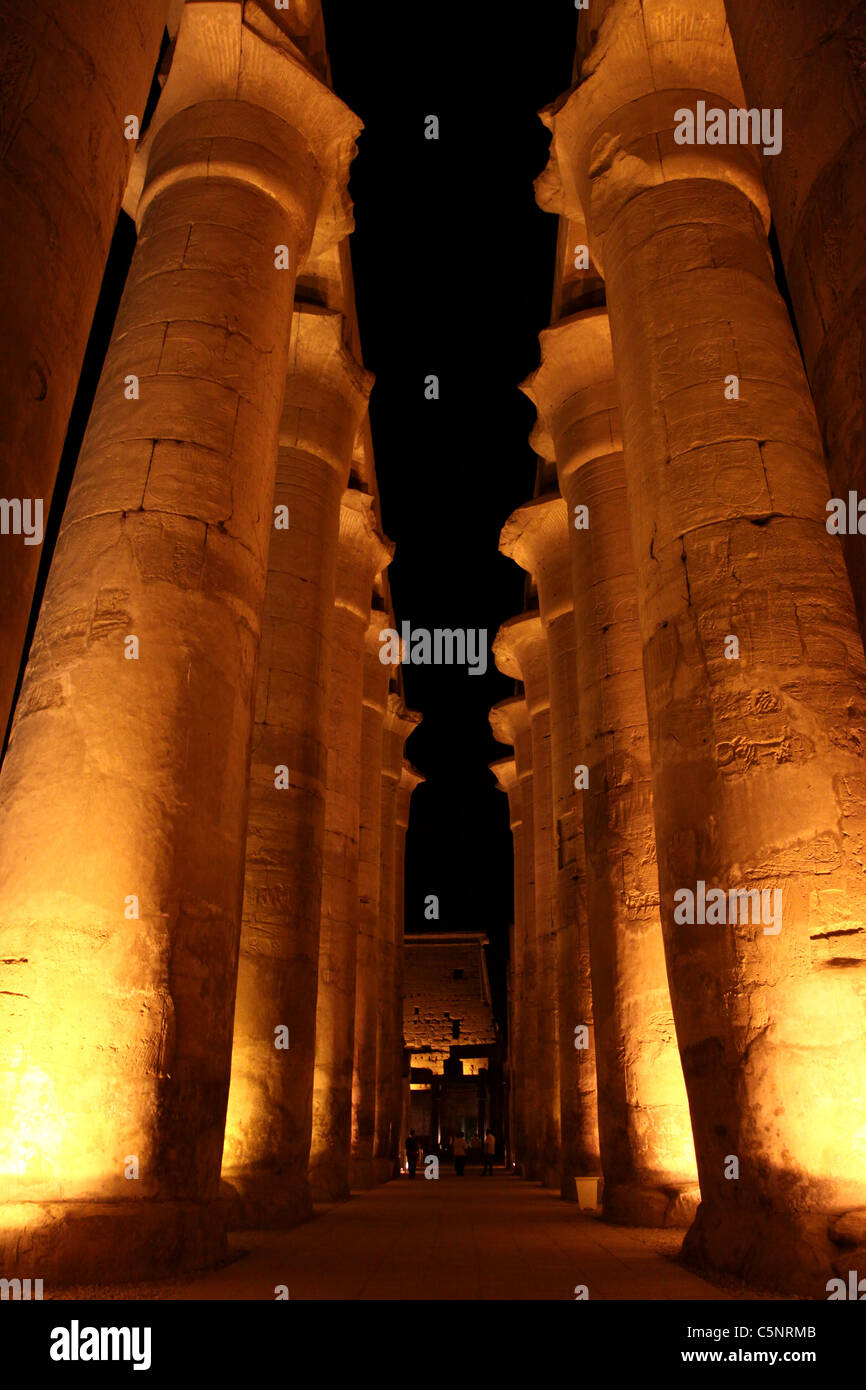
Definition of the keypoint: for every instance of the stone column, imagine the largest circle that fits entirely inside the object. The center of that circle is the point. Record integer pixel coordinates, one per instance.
(269, 1117)
(520, 651)
(757, 743)
(72, 76)
(124, 793)
(805, 63)
(647, 1150)
(398, 725)
(361, 556)
(541, 1057)
(410, 778)
(505, 772)
(512, 1121)
(536, 537)
(509, 721)
(376, 680)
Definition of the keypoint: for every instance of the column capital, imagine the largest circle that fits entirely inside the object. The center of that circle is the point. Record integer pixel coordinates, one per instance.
(400, 722)
(613, 133)
(509, 720)
(236, 54)
(377, 673)
(520, 651)
(327, 389)
(363, 553)
(507, 780)
(410, 778)
(536, 537)
(574, 392)
(505, 772)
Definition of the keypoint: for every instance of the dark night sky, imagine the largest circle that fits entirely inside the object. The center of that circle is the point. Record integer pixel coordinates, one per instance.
(454, 268)
(454, 272)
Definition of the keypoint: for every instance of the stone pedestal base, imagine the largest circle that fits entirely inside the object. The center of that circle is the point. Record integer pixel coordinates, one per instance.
(109, 1242)
(586, 1191)
(265, 1201)
(787, 1254)
(673, 1205)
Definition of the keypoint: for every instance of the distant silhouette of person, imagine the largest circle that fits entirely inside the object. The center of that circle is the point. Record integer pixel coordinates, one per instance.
(489, 1151)
(459, 1151)
(412, 1147)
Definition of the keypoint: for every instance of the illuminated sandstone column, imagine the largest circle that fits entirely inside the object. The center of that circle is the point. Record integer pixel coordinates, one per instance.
(520, 652)
(647, 1151)
(536, 537)
(397, 726)
(806, 61)
(361, 556)
(375, 702)
(72, 76)
(269, 1117)
(505, 772)
(758, 773)
(513, 1120)
(410, 778)
(125, 883)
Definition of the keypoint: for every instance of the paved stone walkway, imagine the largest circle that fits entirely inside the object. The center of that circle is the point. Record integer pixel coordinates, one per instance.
(453, 1238)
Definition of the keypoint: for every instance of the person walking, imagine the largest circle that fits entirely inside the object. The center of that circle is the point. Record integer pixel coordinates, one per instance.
(412, 1152)
(489, 1151)
(459, 1151)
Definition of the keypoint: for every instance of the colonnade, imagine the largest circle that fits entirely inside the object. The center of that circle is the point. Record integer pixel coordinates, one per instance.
(205, 799)
(688, 727)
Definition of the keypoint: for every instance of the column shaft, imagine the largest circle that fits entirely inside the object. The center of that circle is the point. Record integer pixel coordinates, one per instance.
(362, 555)
(269, 1118)
(804, 62)
(364, 1083)
(758, 796)
(521, 648)
(139, 691)
(536, 537)
(398, 724)
(409, 780)
(73, 74)
(646, 1144)
(505, 771)
(511, 724)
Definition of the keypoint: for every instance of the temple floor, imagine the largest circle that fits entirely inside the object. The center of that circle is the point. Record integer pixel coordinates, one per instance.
(452, 1238)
